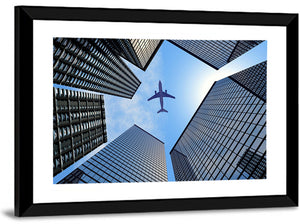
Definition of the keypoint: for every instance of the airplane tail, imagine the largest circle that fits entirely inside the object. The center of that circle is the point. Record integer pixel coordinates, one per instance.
(162, 110)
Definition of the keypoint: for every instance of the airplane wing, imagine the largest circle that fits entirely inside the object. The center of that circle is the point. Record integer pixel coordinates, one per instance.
(164, 94)
(154, 96)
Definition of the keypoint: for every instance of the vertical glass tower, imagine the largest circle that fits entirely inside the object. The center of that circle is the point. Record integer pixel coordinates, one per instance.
(78, 126)
(226, 137)
(139, 52)
(91, 64)
(135, 156)
(215, 53)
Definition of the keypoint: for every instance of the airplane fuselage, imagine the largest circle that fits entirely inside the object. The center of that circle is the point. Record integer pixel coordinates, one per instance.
(161, 98)
(161, 94)
(160, 86)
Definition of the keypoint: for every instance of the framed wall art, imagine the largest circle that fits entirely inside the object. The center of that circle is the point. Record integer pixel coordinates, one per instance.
(121, 110)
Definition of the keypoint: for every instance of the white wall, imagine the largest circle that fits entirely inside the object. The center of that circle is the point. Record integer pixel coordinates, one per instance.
(271, 215)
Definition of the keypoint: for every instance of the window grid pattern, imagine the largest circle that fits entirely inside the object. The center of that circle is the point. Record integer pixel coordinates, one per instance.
(90, 64)
(74, 177)
(182, 166)
(135, 156)
(254, 83)
(229, 122)
(212, 52)
(78, 126)
(144, 48)
(253, 164)
(137, 51)
(215, 53)
(242, 47)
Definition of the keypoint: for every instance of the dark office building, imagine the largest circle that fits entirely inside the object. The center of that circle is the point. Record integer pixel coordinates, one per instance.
(226, 137)
(91, 64)
(215, 53)
(78, 126)
(135, 156)
(139, 52)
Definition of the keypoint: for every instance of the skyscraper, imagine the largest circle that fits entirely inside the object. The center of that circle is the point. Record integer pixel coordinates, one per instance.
(226, 137)
(139, 52)
(134, 156)
(91, 64)
(215, 53)
(78, 126)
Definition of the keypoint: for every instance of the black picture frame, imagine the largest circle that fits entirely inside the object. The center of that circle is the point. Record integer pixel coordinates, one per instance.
(24, 18)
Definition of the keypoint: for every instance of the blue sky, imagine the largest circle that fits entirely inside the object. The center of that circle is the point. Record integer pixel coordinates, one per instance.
(185, 77)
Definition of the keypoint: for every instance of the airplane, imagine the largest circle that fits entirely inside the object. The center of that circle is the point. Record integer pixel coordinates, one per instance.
(161, 94)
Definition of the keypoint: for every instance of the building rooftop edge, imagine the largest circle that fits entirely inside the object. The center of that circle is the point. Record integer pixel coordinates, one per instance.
(149, 133)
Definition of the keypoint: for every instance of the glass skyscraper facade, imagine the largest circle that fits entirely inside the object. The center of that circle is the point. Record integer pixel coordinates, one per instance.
(91, 64)
(78, 126)
(215, 53)
(134, 156)
(139, 52)
(241, 47)
(226, 137)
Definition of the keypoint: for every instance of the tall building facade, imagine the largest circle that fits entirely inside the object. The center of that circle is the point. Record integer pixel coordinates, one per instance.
(78, 126)
(139, 52)
(91, 64)
(216, 53)
(134, 156)
(226, 137)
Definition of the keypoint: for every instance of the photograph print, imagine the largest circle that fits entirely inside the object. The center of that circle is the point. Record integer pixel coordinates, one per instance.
(150, 110)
